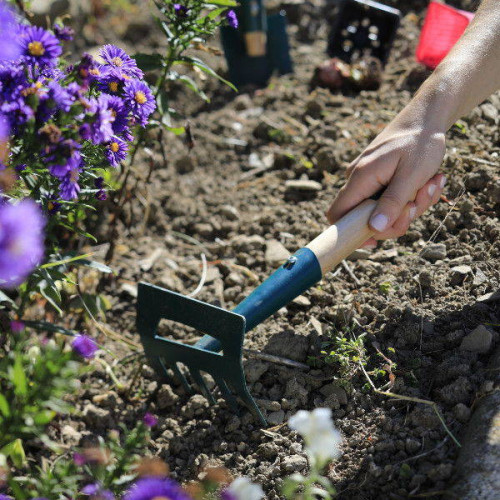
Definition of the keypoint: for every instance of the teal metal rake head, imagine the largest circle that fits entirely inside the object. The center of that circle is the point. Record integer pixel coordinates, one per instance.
(219, 352)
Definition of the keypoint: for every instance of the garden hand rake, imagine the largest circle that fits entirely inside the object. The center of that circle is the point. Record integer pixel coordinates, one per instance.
(219, 352)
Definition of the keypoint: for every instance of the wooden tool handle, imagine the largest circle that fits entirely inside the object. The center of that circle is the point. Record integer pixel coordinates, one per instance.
(342, 238)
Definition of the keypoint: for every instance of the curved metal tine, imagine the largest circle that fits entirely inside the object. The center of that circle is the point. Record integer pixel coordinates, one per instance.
(242, 390)
(160, 369)
(226, 393)
(182, 378)
(201, 384)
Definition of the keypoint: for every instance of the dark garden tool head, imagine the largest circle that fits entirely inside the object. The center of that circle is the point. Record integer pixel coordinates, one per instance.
(228, 328)
(258, 48)
(363, 28)
(219, 352)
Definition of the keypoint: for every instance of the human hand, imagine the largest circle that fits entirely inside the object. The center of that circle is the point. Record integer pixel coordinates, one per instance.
(404, 157)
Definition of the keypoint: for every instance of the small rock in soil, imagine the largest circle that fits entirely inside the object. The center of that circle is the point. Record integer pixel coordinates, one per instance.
(288, 345)
(276, 417)
(434, 252)
(185, 164)
(96, 418)
(385, 255)
(295, 390)
(459, 273)
(265, 404)
(458, 391)
(268, 450)
(295, 463)
(276, 253)
(229, 212)
(196, 405)
(359, 254)
(461, 412)
(479, 340)
(254, 369)
(334, 390)
(70, 435)
(301, 301)
(301, 189)
(245, 243)
(166, 397)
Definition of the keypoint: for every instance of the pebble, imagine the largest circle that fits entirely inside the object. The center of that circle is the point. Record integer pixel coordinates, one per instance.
(185, 164)
(359, 254)
(248, 243)
(294, 463)
(459, 273)
(489, 112)
(434, 252)
(301, 189)
(462, 413)
(276, 417)
(230, 212)
(301, 301)
(129, 289)
(166, 397)
(479, 340)
(265, 404)
(334, 390)
(234, 279)
(276, 253)
(70, 435)
(254, 369)
(385, 255)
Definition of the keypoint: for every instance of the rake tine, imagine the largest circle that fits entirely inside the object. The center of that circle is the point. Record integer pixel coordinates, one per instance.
(181, 377)
(226, 393)
(201, 384)
(242, 390)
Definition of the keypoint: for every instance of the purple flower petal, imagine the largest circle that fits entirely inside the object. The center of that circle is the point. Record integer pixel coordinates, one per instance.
(84, 346)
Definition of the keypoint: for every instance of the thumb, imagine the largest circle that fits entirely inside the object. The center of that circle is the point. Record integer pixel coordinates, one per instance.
(391, 204)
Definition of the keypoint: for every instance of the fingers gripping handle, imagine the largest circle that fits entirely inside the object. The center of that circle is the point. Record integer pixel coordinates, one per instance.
(340, 240)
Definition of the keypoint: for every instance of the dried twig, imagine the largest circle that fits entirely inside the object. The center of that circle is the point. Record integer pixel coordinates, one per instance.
(275, 359)
(203, 278)
(415, 400)
(350, 272)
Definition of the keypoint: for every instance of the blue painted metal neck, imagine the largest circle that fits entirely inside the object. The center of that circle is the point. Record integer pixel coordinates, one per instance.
(301, 271)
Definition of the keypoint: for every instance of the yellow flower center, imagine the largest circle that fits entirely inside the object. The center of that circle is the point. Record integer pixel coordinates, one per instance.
(94, 72)
(160, 498)
(140, 97)
(50, 205)
(117, 61)
(36, 49)
(113, 113)
(113, 86)
(114, 147)
(74, 175)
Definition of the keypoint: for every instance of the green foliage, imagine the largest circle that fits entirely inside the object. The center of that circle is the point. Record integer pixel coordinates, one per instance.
(35, 378)
(112, 463)
(345, 351)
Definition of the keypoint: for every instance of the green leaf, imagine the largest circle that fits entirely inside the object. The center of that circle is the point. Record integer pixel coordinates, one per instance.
(65, 261)
(44, 417)
(175, 130)
(224, 3)
(5, 298)
(194, 61)
(19, 378)
(4, 406)
(15, 451)
(190, 83)
(96, 265)
(148, 62)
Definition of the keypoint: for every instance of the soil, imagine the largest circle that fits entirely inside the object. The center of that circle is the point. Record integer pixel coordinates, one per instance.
(416, 299)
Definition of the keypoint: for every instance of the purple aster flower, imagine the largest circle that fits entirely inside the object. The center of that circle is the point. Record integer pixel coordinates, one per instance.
(150, 488)
(119, 59)
(232, 19)
(101, 195)
(101, 122)
(140, 100)
(180, 10)
(9, 49)
(79, 459)
(57, 98)
(69, 187)
(39, 46)
(53, 207)
(111, 80)
(96, 492)
(64, 167)
(63, 33)
(12, 81)
(4, 497)
(84, 346)
(20, 168)
(149, 420)
(88, 69)
(99, 182)
(116, 151)
(21, 241)
(17, 326)
(120, 113)
(17, 112)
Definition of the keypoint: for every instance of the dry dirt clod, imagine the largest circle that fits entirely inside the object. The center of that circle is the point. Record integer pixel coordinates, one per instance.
(479, 340)
(434, 252)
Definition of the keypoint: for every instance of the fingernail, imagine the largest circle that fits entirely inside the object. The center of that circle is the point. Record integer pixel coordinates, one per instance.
(431, 189)
(379, 222)
(413, 212)
(443, 181)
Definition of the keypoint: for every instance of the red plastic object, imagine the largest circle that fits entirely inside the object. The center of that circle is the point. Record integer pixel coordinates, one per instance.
(443, 26)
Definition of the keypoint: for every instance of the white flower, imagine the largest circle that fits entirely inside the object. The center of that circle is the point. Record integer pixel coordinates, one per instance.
(243, 489)
(321, 438)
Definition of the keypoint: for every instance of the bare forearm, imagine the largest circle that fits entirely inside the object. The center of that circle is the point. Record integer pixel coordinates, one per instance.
(468, 74)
